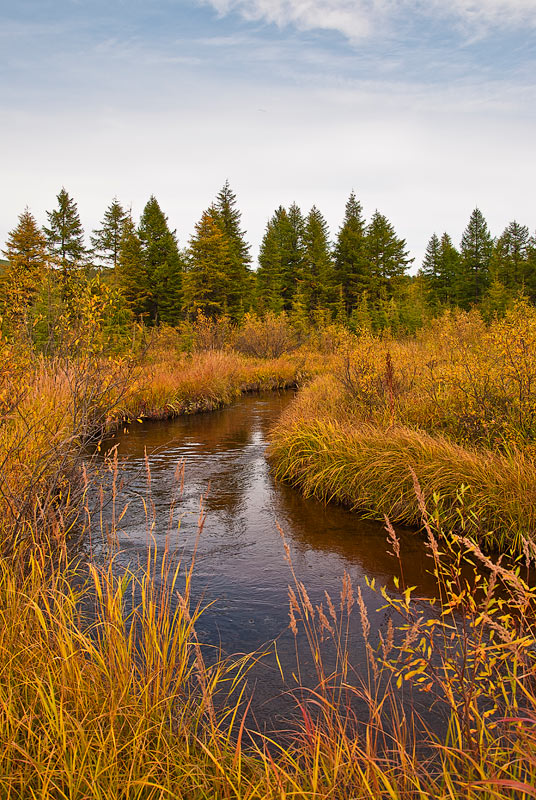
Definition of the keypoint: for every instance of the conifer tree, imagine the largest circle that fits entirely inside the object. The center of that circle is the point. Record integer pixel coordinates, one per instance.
(206, 280)
(317, 271)
(293, 255)
(387, 254)
(65, 237)
(530, 281)
(27, 261)
(352, 270)
(431, 265)
(106, 240)
(163, 264)
(281, 260)
(225, 213)
(271, 255)
(509, 260)
(440, 269)
(476, 249)
(449, 272)
(131, 274)
(361, 318)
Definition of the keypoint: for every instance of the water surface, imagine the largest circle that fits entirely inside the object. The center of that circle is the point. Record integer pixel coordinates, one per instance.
(240, 560)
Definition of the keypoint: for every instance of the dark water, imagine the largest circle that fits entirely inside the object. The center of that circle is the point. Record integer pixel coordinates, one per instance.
(240, 559)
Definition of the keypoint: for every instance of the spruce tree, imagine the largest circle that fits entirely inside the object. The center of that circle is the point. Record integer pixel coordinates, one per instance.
(440, 269)
(387, 254)
(65, 237)
(163, 263)
(530, 280)
(317, 272)
(271, 255)
(431, 267)
(225, 213)
(293, 260)
(27, 261)
(449, 272)
(131, 274)
(352, 270)
(281, 260)
(206, 279)
(476, 249)
(509, 260)
(106, 240)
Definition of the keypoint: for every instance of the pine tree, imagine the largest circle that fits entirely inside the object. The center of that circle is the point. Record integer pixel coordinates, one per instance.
(106, 240)
(509, 260)
(206, 280)
(163, 263)
(27, 261)
(225, 213)
(65, 237)
(131, 274)
(387, 254)
(476, 249)
(352, 270)
(317, 274)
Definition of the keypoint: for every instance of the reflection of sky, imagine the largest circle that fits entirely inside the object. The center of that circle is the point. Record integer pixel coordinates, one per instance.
(239, 558)
(424, 109)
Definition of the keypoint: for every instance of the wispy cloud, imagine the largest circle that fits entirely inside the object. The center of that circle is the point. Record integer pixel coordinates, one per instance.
(356, 19)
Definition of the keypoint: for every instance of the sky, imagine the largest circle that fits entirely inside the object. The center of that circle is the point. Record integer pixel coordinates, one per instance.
(425, 108)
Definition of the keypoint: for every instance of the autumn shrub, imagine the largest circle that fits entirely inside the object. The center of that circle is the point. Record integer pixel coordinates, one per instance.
(268, 336)
(50, 410)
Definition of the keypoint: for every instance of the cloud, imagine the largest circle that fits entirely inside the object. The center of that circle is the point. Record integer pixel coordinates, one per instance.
(356, 19)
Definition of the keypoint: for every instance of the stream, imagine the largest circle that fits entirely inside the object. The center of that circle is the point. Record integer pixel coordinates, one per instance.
(240, 565)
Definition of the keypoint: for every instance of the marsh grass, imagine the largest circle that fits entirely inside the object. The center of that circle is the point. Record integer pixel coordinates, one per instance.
(106, 692)
(456, 405)
(492, 496)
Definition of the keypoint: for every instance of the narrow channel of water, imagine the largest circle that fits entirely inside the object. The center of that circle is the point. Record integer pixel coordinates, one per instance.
(240, 564)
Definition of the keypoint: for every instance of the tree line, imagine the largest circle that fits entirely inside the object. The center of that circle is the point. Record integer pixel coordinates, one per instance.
(360, 279)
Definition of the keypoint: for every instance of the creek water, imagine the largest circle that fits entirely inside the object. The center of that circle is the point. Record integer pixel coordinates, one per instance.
(240, 565)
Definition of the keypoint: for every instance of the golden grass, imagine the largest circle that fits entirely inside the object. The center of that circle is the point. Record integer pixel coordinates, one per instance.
(368, 469)
(105, 693)
(210, 379)
(456, 405)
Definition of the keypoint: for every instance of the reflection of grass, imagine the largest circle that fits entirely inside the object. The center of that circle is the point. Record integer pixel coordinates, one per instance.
(118, 702)
(50, 408)
(367, 468)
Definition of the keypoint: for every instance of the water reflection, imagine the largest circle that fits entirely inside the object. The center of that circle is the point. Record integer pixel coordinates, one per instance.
(240, 561)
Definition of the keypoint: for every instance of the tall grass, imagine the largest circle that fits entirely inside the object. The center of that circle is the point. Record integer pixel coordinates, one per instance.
(51, 407)
(490, 495)
(183, 384)
(105, 692)
(457, 405)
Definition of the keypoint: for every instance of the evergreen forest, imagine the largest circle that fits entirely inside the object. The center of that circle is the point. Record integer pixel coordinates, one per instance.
(138, 270)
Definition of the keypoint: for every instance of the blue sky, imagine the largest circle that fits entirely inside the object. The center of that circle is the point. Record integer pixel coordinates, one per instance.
(426, 109)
